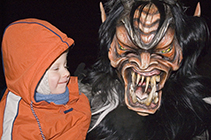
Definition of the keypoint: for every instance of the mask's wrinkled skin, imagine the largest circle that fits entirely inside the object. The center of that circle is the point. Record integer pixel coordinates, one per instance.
(145, 58)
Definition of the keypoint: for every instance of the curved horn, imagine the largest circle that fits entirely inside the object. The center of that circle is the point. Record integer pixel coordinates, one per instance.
(198, 10)
(103, 14)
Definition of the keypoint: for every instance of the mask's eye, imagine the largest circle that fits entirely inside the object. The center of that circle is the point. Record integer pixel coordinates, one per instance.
(121, 47)
(167, 50)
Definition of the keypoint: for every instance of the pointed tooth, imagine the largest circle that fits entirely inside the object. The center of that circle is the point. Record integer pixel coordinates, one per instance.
(156, 98)
(153, 82)
(133, 77)
(149, 99)
(142, 79)
(157, 77)
(138, 79)
(147, 83)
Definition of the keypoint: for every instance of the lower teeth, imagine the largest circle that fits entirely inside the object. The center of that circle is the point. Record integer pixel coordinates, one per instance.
(156, 100)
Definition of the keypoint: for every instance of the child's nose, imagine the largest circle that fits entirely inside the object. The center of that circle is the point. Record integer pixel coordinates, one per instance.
(66, 73)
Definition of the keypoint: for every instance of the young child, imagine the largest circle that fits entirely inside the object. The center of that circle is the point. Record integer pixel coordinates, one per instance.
(41, 101)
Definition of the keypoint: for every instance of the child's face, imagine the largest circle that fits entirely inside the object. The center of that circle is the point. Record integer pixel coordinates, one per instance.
(58, 75)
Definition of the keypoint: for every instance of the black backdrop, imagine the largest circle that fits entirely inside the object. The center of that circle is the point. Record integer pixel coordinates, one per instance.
(79, 19)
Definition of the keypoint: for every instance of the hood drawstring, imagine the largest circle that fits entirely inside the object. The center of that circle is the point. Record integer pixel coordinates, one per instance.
(38, 122)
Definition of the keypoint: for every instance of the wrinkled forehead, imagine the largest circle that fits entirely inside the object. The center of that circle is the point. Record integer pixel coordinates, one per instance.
(147, 25)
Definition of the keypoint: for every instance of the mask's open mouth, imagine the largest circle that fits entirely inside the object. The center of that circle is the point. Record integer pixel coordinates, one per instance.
(142, 90)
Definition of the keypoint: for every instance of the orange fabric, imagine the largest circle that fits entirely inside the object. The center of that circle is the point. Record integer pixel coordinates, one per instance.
(29, 47)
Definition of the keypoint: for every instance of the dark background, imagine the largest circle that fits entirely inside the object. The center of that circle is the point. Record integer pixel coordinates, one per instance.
(79, 19)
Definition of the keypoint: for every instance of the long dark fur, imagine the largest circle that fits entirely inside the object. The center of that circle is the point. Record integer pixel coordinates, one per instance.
(182, 115)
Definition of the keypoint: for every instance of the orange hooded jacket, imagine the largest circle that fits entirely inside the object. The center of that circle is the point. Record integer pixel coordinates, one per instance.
(29, 47)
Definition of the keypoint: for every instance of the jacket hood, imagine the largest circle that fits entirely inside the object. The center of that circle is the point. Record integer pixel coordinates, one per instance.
(29, 47)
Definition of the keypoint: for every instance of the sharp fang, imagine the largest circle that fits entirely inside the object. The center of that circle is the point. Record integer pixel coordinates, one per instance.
(138, 79)
(153, 82)
(142, 79)
(153, 85)
(147, 83)
(157, 78)
(133, 78)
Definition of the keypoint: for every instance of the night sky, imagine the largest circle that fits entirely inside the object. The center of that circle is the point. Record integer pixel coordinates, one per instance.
(79, 19)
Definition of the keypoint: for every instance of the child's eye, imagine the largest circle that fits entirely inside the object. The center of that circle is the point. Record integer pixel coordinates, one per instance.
(66, 67)
(56, 68)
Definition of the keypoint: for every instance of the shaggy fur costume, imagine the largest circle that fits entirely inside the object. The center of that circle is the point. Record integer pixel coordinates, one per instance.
(183, 113)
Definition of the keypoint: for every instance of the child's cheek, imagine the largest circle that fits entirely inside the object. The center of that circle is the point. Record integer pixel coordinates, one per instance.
(53, 81)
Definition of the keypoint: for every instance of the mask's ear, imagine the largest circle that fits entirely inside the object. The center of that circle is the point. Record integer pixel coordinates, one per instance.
(198, 10)
(103, 14)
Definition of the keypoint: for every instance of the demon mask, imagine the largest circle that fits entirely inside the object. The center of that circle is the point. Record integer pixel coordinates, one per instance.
(145, 51)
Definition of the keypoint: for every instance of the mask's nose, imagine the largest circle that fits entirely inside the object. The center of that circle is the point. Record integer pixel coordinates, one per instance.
(145, 60)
